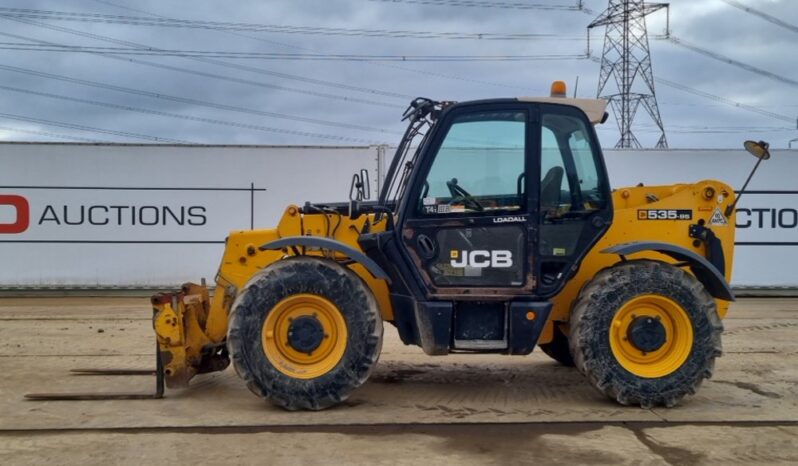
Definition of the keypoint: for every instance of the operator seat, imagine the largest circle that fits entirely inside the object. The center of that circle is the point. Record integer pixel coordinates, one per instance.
(550, 189)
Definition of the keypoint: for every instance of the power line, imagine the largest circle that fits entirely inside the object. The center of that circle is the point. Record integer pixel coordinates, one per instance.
(185, 100)
(434, 74)
(716, 98)
(92, 129)
(312, 80)
(49, 134)
(731, 61)
(262, 71)
(279, 130)
(212, 121)
(348, 87)
(489, 4)
(700, 93)
(694, 104)
(723, 100)
(665, 82)
(257, 70)
(254, 69)
(732, 127)
(188, 70)
(471, 3)
(712, 131)
(271, 28)
(279, 56)
(761, 14)
(701, 131)
(717, 129)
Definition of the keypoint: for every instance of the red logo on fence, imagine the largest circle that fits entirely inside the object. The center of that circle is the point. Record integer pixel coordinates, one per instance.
(20, 204)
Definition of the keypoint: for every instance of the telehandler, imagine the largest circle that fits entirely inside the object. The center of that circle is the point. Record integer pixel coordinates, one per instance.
(495, 230)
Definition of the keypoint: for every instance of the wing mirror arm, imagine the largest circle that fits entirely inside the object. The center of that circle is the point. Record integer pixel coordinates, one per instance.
(761, 152)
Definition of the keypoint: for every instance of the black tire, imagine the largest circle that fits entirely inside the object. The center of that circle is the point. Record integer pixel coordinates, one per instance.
(558, 348)
(595, 309)
(306, 275)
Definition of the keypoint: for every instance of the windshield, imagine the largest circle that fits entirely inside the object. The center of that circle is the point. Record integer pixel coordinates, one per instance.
(479, 166)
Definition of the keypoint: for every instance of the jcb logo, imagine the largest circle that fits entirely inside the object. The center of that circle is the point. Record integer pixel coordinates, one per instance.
(480, 259)
(21, 214)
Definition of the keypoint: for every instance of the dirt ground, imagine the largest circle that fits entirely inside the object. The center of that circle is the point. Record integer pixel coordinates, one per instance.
(416, 409)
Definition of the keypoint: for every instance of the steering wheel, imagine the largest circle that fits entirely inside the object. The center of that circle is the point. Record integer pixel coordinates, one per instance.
(459, 193)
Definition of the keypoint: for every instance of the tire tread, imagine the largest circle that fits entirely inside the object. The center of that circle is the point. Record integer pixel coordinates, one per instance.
(586, 326)
(313, 275)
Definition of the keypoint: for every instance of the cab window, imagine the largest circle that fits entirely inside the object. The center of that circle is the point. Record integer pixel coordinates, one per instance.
(478, 167)
(569, 184)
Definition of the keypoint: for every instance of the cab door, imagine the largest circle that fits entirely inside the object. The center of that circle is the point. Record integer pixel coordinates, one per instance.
(469, 218)
(575, 207)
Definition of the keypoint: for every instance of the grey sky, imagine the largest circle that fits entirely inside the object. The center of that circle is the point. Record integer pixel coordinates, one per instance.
(260, 99)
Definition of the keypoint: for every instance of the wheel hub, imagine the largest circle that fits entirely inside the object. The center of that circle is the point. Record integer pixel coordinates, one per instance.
(305, 334)
(651, 336)
(646, 333)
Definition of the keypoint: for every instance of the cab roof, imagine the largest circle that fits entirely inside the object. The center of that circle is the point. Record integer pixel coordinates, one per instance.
(593, 108)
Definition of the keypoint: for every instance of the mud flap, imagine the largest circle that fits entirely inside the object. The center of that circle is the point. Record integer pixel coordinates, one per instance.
(526, 321)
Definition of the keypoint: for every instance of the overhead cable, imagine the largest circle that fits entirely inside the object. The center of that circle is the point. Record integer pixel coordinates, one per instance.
(49, 134)
(725, 101)
(763, 15)
(294, 77)
(185, 100)
(190, 71)
(434, 74)
(272, 28)
(92, 129)
(179, 116)
(716, 98)
(262, 71)
(733, 62)
(280, 56)
(490, 4)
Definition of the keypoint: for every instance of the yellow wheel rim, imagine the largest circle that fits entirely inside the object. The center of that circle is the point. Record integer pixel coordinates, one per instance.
(285, 357)
(678, 336)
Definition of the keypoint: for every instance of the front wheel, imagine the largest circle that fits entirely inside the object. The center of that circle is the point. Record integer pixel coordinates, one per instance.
(304, 333)
(645, 332)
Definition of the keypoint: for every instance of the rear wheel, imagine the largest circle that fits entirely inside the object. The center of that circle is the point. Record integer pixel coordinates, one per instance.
(304, 333)
(645, 332)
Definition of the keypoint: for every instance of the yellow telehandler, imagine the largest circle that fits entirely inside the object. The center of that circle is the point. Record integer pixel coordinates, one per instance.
(495, 230)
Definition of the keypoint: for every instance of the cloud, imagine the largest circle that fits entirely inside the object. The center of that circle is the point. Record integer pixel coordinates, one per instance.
(712, 24)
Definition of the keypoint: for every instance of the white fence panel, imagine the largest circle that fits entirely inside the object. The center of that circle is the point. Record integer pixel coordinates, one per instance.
(139, 216)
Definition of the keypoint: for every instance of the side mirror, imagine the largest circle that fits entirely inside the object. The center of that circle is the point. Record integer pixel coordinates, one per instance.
(364, 180)
(758, 149)
(360, 189)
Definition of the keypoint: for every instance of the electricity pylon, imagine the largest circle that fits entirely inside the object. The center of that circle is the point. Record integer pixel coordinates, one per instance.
(626, 58)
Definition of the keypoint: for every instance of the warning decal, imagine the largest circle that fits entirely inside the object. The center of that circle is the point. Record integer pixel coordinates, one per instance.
(718, 219)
